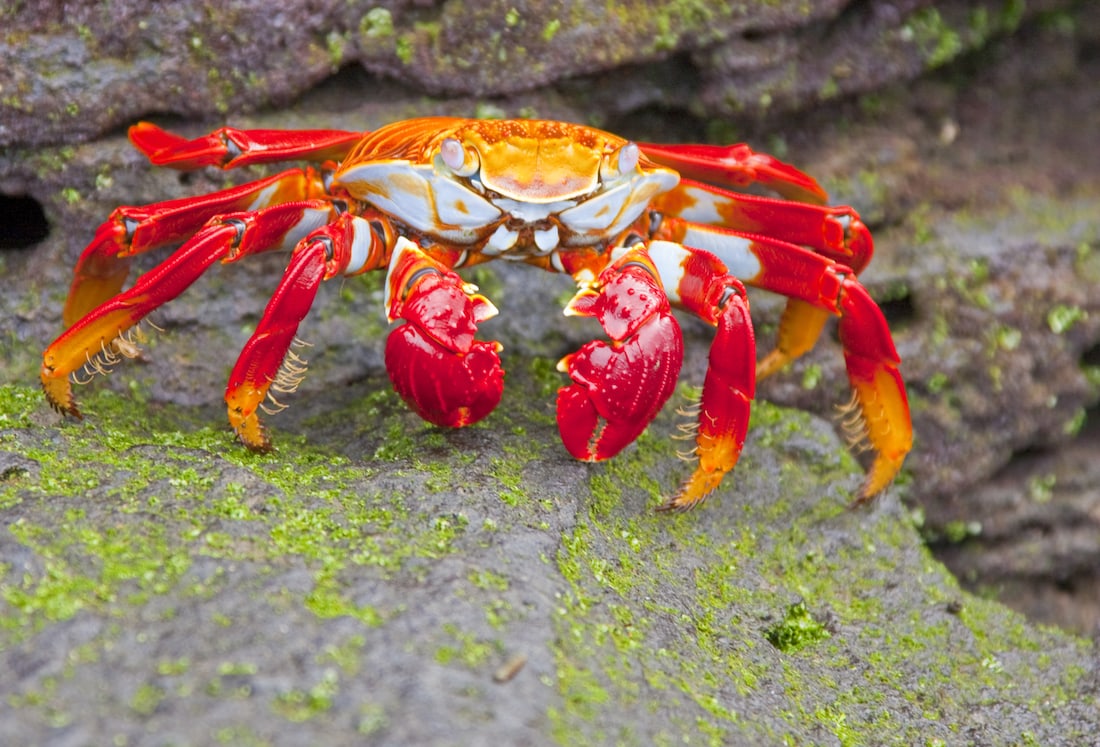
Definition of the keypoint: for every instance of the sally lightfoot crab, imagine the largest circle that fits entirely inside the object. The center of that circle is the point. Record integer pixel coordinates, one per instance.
(640, 227)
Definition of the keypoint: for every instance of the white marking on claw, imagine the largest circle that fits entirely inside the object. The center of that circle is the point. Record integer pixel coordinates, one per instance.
(734, 251)
(669, 257)
(361, 242)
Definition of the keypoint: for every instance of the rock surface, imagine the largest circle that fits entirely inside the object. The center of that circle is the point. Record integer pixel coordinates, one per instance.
(374, 579)
(71, 72)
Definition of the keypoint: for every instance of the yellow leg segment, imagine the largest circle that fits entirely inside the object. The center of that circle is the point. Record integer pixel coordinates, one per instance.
(799, 328)
(885, 423)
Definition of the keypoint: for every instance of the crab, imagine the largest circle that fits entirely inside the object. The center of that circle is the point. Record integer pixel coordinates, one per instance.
(640, 227)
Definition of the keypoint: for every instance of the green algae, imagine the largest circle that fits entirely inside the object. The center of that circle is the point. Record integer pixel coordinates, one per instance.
(797, 629)
(699, 648)
(308, 512)
(677, 606)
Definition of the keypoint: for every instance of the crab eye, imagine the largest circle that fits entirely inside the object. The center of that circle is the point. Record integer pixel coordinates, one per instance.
(628, 158)
(457, 158)
(624, 161)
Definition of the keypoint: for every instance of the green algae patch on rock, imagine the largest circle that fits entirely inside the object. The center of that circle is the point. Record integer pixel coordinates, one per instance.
(374, 573)
(681, 618)
(797, 629)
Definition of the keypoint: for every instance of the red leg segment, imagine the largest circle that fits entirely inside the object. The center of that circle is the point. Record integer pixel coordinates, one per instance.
(89, 342)
(346, 246)
(618, 388)
(830, 288)
(229, 148)
(833, 232)
(737, 166)
(105, 262)
(699, 282)
(435, 364)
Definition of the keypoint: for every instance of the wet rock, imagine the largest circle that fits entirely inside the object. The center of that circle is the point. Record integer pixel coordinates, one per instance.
(375, 573)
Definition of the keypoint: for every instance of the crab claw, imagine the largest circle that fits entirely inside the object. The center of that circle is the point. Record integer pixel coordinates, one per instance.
(435, 364)
(619, 387)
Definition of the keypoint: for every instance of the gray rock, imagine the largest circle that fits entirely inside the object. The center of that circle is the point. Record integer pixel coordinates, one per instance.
(379, 581)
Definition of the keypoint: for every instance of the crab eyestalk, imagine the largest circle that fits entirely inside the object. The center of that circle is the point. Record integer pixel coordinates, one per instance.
(623, 161)
(459, 159)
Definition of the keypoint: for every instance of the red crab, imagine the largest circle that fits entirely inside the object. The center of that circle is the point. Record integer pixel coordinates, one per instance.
(422, 197)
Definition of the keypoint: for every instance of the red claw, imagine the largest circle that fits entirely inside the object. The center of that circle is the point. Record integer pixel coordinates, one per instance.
(444, 387)
(435, 364)
(618, 388)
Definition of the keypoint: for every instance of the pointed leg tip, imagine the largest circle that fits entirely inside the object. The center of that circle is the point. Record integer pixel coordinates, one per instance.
(59, 393)
(879, 478)
(251, 432)
(863, 498)
(264, 446)
(694, 491)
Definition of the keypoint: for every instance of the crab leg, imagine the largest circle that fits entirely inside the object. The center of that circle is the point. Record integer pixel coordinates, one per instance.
(105, 262)
(435, 364)
(229, 148)
(348, 246)
(833, 232)
(89, 343)
(699, 282)
(737, 166)
(869, 353)
(619, 387)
